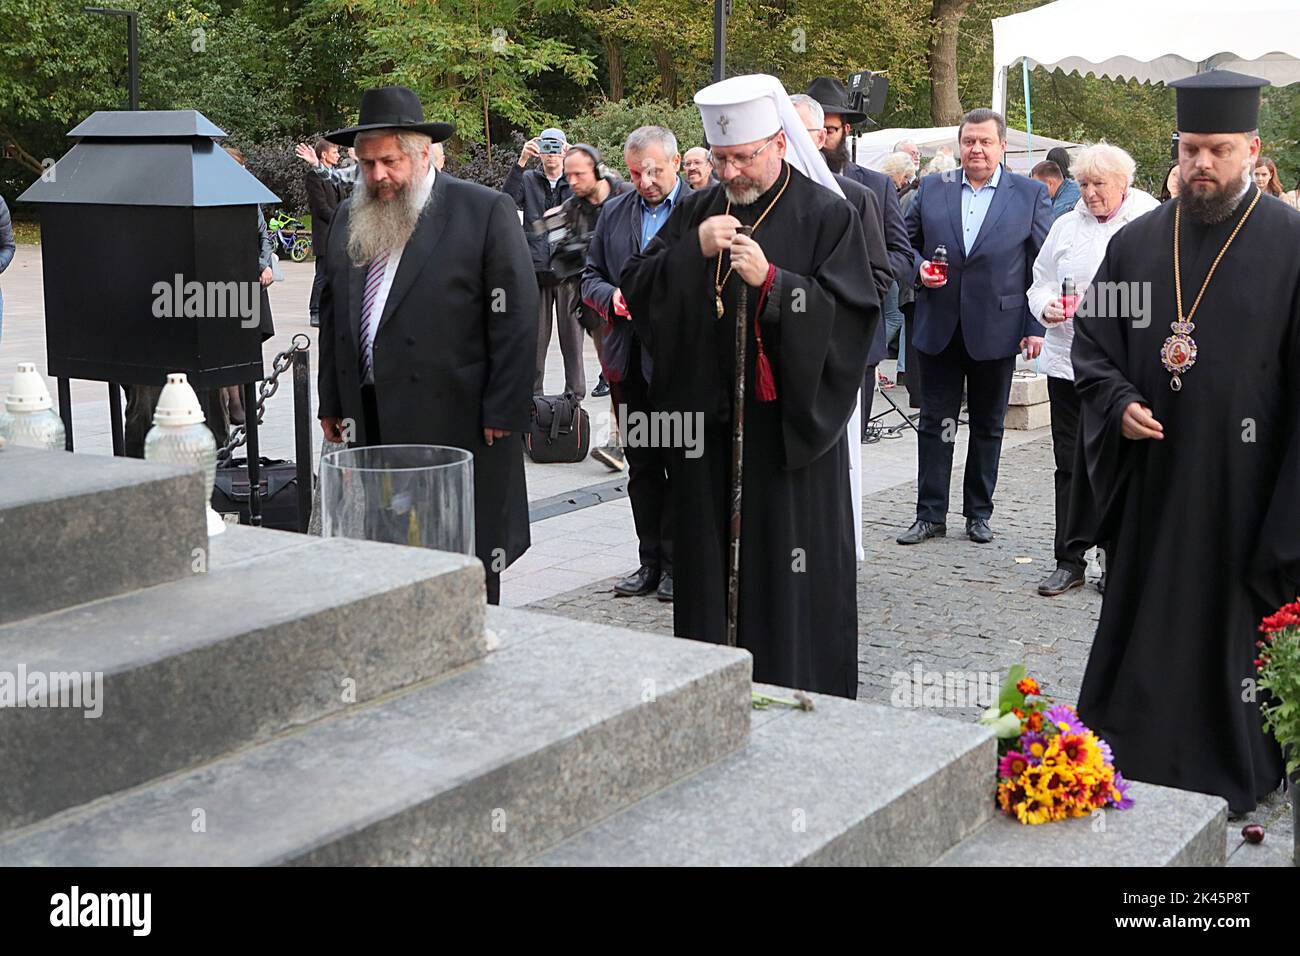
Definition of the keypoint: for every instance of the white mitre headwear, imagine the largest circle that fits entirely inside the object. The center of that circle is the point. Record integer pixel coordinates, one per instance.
(746, 109)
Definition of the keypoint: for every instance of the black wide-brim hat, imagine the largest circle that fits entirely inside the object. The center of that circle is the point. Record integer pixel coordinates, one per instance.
(834, 98)
(391, 107)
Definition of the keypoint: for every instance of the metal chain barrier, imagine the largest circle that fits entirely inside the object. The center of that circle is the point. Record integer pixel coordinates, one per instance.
(281, 363)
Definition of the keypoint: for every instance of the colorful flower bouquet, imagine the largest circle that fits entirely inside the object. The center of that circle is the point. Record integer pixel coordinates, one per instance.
(1050, 766)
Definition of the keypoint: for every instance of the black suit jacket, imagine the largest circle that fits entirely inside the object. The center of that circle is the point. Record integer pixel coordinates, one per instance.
(455, 350)
(891, 219)
(323, 199)
(863, 200)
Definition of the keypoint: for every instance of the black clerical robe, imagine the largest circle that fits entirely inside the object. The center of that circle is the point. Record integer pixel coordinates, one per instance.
(1203, 524)
(798, 606)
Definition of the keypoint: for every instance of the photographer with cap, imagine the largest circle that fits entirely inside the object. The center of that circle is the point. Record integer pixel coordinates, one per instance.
(536, 192)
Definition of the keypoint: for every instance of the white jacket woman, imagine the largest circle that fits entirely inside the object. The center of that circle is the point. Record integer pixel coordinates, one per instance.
(1075, 247)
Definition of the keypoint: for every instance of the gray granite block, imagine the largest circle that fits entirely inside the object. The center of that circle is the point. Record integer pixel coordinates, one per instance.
(846, 783)
(1164, 827)
(239, 542)
(195, 668)
(75, 528)
(489, 765)
(509, 626)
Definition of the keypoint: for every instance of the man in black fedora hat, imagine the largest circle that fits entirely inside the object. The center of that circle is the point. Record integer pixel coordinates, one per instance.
(428, 318)
(838, 115)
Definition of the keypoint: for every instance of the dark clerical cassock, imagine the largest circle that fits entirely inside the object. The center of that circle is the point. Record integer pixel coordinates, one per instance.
(798, 606)
(1204, 522)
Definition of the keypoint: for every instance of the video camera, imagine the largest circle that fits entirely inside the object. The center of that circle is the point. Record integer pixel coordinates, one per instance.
(568, 247)
(868, 91)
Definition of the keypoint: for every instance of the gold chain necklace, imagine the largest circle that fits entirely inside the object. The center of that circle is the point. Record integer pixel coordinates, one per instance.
(1178, 354)
(719, 280)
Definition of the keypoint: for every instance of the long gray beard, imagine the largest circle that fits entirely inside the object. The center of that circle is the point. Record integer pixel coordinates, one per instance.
(1215, 207)
(376, 227)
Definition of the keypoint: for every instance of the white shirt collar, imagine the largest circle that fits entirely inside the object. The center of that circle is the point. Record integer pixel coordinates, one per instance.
(992, 180)
(426, 187)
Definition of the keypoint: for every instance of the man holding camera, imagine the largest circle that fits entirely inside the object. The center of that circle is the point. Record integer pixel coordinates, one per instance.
(535, 192)
(590, 184)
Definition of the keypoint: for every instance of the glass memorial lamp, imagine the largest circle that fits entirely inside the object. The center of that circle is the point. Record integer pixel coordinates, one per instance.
(28, 417)
(180, 437)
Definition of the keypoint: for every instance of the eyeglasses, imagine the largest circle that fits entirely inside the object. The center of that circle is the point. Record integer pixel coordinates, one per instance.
(720, 162)
(833, 129)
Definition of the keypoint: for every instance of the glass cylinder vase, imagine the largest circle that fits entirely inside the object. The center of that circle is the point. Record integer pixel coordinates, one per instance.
(417, 495)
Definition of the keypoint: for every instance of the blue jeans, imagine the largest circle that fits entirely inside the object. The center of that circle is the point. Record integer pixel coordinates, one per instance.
(893, 318)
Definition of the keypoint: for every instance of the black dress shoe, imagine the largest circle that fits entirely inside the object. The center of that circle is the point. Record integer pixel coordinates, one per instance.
(601, 389)
(1060, 581)
(1101, 583)
(922, 531)
(665, 592)
(314, 320)
(977, 529)
(641, 581)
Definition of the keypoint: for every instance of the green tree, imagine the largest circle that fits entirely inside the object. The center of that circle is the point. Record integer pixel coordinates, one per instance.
(468, 59)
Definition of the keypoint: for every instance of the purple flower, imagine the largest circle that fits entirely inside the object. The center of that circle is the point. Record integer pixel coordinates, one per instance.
(1064, 714)
(1121, 785)
(1107, 756)
(1032, 746)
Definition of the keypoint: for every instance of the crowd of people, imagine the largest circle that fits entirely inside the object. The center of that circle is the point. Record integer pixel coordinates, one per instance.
(437, 299)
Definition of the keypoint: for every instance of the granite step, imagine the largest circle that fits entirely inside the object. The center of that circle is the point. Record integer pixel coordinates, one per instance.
(847, 783)
(559, 727)
(75, 528)
(285, 629)
(1164, 827)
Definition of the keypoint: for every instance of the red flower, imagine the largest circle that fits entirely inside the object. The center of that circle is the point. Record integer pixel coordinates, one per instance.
(1287, 616)
(1035, 721)
(1018, 712)
(1027, 686)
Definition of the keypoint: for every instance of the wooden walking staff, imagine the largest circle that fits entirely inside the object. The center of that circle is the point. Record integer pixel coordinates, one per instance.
(737, 457)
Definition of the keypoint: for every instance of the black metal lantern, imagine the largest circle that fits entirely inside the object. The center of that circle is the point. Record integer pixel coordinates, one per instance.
(148, 234)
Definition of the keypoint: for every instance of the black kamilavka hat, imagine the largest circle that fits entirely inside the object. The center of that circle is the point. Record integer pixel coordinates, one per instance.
(1219, 101)
(391, 107)
(834, 98)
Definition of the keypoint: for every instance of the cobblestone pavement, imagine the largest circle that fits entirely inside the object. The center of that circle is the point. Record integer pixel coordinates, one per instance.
(948, 604)
(959, 609)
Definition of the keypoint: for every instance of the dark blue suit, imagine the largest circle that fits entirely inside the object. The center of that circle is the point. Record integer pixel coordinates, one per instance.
(969, 331)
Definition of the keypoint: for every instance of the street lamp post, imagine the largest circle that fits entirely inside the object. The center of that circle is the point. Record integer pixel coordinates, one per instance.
(721, 10)
(133, 74)
(132, 47)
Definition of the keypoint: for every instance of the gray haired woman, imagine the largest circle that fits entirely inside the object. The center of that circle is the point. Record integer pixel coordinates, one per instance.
(1073, 250)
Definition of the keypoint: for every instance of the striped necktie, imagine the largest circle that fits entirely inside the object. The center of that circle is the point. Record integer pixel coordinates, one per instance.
(369, 315)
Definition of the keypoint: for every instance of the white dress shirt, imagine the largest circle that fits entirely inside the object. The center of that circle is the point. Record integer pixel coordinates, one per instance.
(386, 285)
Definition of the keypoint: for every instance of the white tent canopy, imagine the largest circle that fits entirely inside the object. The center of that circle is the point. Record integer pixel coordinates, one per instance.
(871, 148)
(1153, 41)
